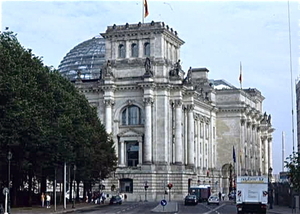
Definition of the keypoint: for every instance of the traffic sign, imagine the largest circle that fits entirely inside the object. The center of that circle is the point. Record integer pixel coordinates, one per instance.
(163, 202)
(5, 190)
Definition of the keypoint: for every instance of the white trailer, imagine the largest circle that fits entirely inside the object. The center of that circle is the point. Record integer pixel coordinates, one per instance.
(252, 194)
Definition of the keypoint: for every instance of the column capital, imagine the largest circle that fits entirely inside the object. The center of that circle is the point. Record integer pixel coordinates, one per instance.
(148, 101)
(243, 121)
(178, 103)
(263, 138)
(109, 102)
(190, 107)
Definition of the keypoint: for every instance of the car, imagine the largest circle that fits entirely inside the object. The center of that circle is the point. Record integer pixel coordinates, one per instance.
(116, 199)
(213, 200)
(190, 199)
(231, 195)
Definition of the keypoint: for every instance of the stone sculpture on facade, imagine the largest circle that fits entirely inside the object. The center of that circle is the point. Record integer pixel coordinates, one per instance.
(188, 78)
(106, 70)
(269, 119)
(148, 67)
(265, 118)
(78, 78)
(176, 69)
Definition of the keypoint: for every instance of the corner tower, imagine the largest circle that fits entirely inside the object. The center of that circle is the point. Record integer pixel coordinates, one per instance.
(128, 46)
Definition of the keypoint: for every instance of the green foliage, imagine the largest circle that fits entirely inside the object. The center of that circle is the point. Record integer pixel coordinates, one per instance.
(45, 121)
(293, 166)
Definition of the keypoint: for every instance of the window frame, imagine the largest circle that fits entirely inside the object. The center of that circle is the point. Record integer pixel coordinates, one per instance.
(134, 50)
(147, 49)
(132, 116)
(121, 51)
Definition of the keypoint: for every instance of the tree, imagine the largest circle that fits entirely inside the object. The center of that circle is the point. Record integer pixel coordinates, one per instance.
(44, 122)
(293, 166)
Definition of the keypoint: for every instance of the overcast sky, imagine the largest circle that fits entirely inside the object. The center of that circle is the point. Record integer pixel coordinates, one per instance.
(218, 35)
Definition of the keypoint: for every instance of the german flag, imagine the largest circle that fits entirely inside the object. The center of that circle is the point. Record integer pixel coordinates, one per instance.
(146, 8)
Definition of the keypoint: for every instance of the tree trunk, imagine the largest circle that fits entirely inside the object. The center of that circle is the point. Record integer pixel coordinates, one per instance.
(29, 187)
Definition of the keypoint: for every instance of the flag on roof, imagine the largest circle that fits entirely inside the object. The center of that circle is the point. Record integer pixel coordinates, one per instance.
(240, 78)
(146, 8)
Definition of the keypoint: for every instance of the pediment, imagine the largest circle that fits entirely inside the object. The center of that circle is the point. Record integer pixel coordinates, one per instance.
(130, 133)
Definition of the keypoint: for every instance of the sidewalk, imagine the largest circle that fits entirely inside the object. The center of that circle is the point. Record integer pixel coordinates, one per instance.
(59, 209)
(282, 210)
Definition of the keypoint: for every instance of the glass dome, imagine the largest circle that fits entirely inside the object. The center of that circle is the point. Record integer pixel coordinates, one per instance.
(86, 58)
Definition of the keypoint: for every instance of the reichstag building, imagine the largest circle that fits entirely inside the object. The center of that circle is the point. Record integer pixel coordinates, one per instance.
(169, 126)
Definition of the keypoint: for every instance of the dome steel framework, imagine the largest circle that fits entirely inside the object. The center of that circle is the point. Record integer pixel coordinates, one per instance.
(85, 59)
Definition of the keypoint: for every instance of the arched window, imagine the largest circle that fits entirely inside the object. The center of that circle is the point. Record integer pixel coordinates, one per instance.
(147, 49)
(134, 50)
(132, 116)
(122, 51)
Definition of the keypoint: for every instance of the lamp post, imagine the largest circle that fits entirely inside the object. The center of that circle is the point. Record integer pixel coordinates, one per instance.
(9, 157)
(73, 206)
(146, 187)
(170, 185)
(230, 178)
(270, 188)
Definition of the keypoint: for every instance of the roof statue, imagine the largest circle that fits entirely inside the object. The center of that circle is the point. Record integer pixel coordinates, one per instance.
(188, 78)
(176, 69)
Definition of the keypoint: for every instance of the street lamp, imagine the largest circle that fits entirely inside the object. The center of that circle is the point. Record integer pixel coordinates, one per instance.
(230, 178)
(73, 206)
(270, 188)
(146, 187)
(9, 157)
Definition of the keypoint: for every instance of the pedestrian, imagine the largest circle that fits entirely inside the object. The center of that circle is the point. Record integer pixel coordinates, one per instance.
(220, 195)
(223, 196)
(125, 197)
(43, 199)
(48, 199)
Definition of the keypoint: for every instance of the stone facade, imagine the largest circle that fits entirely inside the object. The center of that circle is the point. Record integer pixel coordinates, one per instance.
(172, 126)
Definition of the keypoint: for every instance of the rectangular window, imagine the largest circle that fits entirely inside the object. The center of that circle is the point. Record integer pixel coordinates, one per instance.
(132, 154)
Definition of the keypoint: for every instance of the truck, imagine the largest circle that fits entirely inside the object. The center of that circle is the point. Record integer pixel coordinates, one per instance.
(251, 194)
(201, 191)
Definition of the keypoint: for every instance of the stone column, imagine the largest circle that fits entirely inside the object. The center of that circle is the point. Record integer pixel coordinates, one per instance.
(241, 152)
(178, 132)
(270, 154)
(148, 131)
(259, 158)
(108, 115)
(140, 152)
(191, 147)
(266, 155)
(185, 135)
(122, 153)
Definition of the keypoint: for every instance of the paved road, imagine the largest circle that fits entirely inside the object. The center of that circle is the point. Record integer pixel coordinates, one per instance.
(155, 207)
(145, 208)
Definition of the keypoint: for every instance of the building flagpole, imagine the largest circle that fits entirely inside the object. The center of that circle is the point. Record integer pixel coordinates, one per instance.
(143, 10)
(241, 78)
